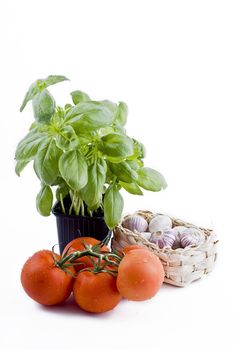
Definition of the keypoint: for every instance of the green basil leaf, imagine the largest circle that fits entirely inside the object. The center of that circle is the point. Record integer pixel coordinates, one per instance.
(27, 148)
(113, 206)
(122, 113)
(134, 164)
(43, 106)
(39, 85)
(54, 79)
(123, 171)
(151, 179)
(73, 168)
(44, 200)
(116, 145)
(88, 116)
(105, 131)
(46, 161)
(132, 188)
(20, 165)
(62, 190)
(31, 93)
(66, 138)
(111, 106)
(115, 159)
(36, 170)
(93, 191)
(34, 127)
(119, 129)
(79, 96)
(139, 150)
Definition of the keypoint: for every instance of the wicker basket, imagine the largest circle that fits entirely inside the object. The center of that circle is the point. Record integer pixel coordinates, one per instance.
(182, 265)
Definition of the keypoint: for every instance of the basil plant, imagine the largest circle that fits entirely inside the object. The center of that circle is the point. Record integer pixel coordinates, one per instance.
(82, 150)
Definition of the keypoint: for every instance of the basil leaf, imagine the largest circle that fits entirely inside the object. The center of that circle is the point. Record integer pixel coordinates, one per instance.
(44, 200)
(39, 85)
(115, 159)
(139, 150)
(132, 188)
(119, 129)
(46, 161)
(36, 170)
(105, 131)
(113, 206)
(43, 106)
(62, 190)
(151, 179)
(88, 116)
(20, 165)
(111, 106)
(93, 191)
(123, 171)
(34, 127)
(122, 113)
(54, 79)
(79, 96)
(66, 138)
(31, 93)
(134, 164)
(73, 168)
(28, 146)
(116, 145)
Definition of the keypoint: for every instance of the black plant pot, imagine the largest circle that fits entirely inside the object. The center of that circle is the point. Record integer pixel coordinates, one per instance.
(72, 226)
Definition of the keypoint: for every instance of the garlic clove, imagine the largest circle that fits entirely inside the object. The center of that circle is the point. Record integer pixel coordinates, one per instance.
(191, 236)
(160, 222)
(177, 230)
(164, 238)
(135, 223)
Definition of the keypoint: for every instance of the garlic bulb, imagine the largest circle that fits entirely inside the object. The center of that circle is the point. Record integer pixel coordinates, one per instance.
(164, 239)
(135, 223)
(177, 230)
(146, 235)
(191, 236)
(160, 222)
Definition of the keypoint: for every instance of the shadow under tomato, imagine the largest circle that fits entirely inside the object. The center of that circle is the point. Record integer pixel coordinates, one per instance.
(70, 308)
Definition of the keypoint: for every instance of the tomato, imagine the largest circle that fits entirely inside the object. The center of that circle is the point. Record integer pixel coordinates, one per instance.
(140, 275)
(78, 244)
(96, 292)
(129, 248)
(43, 281)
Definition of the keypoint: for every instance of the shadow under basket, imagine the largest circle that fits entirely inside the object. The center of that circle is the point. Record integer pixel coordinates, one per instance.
(182, 265)
(70, 227)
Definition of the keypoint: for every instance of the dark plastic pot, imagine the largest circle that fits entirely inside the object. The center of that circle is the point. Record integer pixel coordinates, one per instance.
(70, 227)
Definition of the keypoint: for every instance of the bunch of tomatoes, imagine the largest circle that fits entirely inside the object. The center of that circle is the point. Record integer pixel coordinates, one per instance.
(97, 277)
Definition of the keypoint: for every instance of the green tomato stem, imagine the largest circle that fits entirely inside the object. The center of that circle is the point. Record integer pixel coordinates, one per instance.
(104, 256)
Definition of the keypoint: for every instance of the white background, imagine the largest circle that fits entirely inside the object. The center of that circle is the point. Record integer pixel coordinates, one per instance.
(173, 63)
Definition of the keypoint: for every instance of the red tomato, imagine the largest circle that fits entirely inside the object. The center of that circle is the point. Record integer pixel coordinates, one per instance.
(79, 244)
(96, 292)
(129, 248)
(43, 281)
(140, 275)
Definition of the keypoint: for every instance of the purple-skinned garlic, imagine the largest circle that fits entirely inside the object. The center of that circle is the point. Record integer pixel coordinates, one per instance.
(159, 223)
(164, 238)
(177, 230)
(191, 236)
(135, 223)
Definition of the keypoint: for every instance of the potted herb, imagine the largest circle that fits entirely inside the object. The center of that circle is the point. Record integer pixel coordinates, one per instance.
(82, 150)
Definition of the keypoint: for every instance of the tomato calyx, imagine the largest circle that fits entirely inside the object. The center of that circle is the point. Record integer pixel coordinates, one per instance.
(102, 261)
